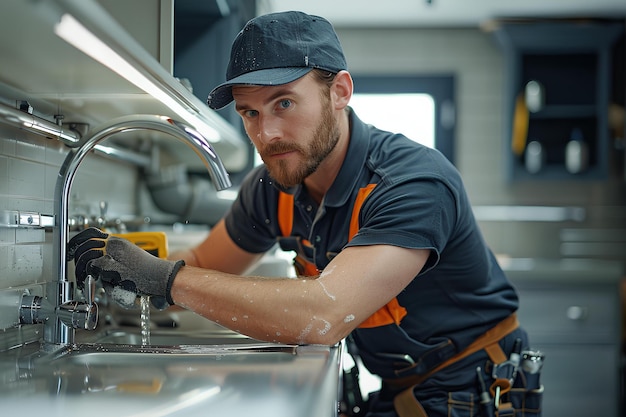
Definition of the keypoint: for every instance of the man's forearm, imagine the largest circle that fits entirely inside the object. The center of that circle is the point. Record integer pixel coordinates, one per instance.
(188, 255)
(282, 310)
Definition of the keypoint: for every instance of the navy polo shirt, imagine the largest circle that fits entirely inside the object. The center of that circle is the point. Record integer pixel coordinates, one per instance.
(419, 202)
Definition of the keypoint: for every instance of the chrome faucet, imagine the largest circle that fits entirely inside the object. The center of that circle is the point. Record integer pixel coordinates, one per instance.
(60, 314)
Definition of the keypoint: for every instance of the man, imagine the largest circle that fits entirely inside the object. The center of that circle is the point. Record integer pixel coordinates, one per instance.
(382, 225)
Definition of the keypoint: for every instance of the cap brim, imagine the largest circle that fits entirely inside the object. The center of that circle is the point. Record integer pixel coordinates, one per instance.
(222, 94)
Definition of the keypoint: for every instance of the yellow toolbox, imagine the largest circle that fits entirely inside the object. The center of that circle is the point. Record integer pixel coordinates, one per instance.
(152, 242)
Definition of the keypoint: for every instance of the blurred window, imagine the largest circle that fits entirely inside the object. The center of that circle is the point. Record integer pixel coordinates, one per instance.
(419, 106)
(412, 114)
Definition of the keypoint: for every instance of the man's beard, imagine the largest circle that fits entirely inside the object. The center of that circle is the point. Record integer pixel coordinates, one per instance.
(324, 141)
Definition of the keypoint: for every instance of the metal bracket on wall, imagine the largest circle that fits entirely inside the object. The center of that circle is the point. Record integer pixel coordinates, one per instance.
(26, 219)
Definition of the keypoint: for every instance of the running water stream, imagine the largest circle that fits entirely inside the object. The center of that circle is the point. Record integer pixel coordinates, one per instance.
(144, 318)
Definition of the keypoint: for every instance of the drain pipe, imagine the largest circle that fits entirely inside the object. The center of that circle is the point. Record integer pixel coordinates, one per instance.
(192, 199)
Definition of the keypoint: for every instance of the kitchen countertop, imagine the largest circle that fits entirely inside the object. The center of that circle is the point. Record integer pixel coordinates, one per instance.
(565, 270)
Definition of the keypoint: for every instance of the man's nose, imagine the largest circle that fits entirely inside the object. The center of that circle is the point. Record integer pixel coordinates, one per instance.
(269, 128)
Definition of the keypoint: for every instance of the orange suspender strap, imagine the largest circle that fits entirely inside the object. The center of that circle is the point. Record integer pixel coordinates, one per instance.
(390, 313)
(285, 224)
(358, 203)
(406, 404)
(285, 213)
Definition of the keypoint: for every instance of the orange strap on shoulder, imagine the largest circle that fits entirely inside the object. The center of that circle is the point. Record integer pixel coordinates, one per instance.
(358, 203)
(390, 313)
(285, 213)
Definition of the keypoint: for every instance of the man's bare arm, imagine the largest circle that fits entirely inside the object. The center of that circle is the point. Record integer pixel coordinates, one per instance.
(218, 252)
(316, 310)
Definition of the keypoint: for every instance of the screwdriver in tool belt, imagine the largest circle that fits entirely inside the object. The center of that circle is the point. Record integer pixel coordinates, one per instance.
(515, 358)
(485, 398)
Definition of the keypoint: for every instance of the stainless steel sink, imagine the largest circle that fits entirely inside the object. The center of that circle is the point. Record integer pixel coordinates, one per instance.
(96, 354)
(260, 379)
(190, 369)
(173, 338)
(167, 329)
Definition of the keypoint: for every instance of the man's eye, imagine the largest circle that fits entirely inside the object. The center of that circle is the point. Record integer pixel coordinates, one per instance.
(251, 113)
(284, 104)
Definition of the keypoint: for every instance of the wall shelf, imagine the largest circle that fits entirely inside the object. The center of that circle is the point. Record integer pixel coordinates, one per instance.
(565, 112)
(557, 92)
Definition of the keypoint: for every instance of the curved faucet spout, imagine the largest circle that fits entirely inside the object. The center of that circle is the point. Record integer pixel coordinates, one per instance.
(55, 330)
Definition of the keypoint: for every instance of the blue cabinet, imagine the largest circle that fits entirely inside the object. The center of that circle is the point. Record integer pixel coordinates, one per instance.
(572, 312)
(557, 98)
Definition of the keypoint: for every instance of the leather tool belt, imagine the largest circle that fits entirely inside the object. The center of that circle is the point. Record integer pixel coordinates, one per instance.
(405, 403)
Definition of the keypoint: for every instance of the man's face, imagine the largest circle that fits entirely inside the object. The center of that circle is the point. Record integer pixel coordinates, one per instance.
(292, 126)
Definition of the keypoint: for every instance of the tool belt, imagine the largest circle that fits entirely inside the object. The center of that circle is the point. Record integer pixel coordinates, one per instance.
(405, 403)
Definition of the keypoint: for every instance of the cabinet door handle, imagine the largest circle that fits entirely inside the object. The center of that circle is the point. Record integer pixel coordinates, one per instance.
(577, 313)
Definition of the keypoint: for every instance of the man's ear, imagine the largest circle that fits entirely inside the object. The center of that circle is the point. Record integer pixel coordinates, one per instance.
(341, 90)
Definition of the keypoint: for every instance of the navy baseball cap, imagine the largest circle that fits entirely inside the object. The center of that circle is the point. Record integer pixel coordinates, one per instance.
(279, 48)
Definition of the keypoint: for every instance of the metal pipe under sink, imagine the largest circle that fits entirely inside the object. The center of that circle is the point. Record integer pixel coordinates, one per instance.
(57, 330)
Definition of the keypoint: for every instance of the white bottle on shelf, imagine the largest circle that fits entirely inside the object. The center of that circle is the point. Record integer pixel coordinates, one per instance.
(576, 153)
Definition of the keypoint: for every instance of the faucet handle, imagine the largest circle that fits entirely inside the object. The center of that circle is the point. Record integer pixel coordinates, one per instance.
(81, 314)
(101, 220)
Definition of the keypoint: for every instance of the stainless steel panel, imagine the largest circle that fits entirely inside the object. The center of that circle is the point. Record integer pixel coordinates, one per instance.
(259, 379)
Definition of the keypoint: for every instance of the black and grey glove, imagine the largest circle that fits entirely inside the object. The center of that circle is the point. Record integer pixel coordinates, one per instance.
(126, 270)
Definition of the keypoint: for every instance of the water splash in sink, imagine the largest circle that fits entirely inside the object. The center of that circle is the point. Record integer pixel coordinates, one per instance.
(144, 319)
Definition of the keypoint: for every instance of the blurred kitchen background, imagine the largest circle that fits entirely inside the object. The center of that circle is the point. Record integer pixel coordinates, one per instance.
(526, 99)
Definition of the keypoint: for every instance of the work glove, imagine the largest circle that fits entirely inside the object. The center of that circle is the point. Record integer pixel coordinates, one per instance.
(125, 270)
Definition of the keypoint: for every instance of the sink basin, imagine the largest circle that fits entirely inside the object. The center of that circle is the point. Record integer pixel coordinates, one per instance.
(131, 368)
(129, 380)
(191, 367)
(174, 338)
(167, 329)
(108, 358)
